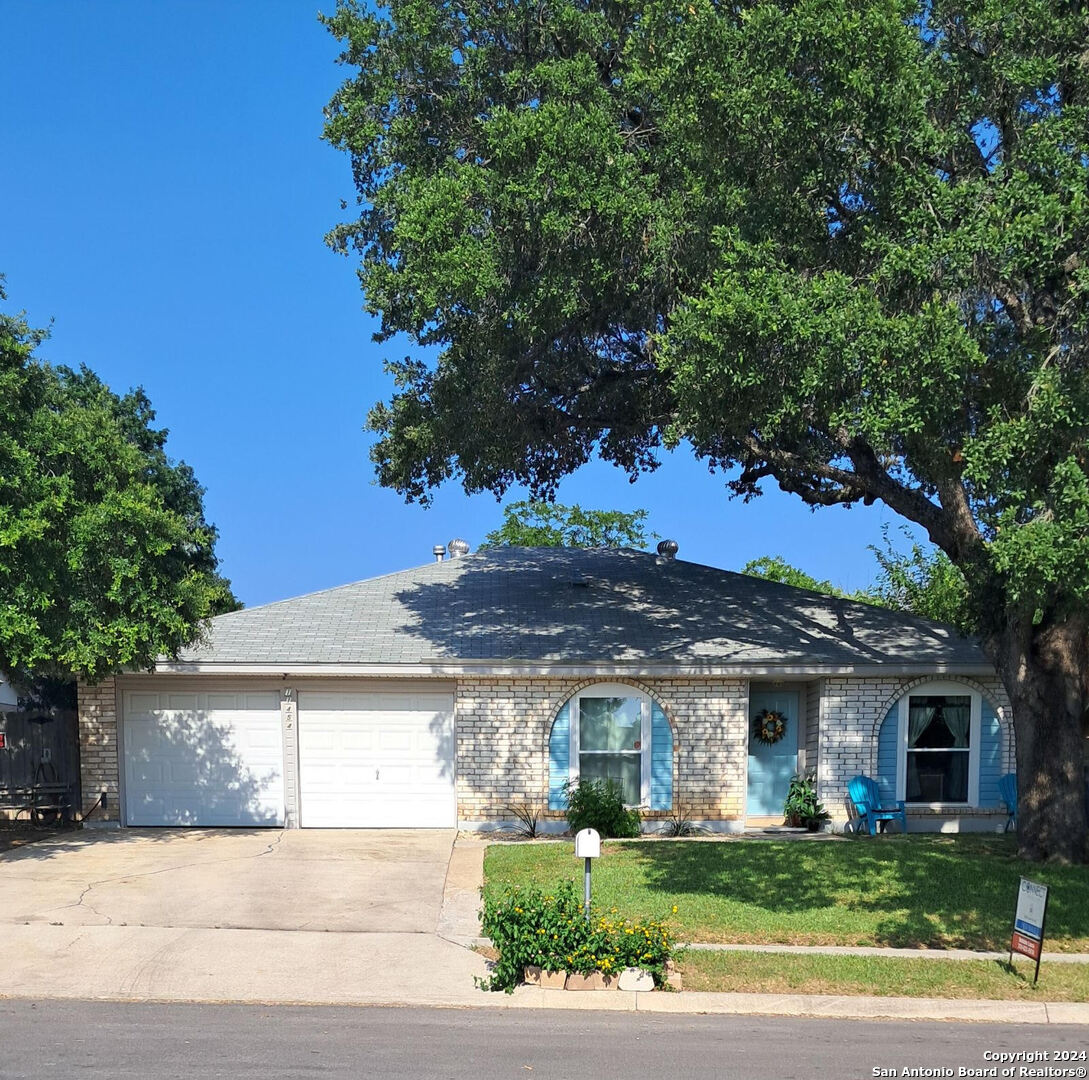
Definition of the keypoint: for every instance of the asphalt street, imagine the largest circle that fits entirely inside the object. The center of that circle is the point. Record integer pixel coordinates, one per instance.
(154, 1042)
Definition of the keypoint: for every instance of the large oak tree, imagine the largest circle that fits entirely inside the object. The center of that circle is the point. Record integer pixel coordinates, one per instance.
(840, 245)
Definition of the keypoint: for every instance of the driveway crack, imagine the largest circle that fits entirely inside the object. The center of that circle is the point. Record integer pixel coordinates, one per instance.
(271, 847)
(81, 900)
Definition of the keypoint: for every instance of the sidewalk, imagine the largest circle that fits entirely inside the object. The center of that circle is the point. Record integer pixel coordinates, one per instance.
(896, 954)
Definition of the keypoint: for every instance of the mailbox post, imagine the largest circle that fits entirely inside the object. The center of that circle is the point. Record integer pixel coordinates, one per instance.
(587, 847)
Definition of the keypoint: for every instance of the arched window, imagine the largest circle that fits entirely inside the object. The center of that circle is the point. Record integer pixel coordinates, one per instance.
(612, 731)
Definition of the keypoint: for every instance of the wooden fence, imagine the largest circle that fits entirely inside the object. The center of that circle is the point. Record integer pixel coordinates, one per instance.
(40, 747)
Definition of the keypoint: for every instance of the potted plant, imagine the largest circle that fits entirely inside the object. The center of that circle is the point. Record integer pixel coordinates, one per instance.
(802, 809)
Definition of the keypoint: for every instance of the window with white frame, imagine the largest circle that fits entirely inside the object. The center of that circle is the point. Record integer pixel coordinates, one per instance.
(938, 745)
(610, 739)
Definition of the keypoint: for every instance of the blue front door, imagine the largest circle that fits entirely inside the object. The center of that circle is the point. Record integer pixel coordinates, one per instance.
(771, 767)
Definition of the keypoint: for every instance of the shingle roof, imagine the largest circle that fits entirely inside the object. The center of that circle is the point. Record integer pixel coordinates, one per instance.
(565, 605)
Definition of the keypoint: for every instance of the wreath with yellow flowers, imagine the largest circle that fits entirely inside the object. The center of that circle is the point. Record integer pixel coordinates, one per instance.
(769, 726)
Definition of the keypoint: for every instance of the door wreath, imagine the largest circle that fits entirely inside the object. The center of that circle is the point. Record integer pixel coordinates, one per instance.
(769, 726)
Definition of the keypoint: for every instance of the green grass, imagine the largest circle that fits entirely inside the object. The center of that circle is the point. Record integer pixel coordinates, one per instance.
(913, 891)
(771, 973)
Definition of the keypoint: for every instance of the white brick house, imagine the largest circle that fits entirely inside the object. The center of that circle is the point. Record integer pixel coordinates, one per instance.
(449, 693)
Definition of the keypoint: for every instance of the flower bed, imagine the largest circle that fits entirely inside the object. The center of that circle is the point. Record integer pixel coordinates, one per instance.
(532, 928)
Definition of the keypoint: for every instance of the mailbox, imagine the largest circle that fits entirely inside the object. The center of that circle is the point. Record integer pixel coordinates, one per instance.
(587, 844)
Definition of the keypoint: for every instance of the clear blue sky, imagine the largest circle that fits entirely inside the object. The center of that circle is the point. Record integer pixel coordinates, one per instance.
(164, 194)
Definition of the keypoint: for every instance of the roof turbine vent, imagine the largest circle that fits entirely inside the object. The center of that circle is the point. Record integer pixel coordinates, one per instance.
(667, 549)
(458, 547)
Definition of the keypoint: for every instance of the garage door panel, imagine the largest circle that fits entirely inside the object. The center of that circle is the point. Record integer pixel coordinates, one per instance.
(358, 741)
(212, 758)
(376, 760)
(269, 699)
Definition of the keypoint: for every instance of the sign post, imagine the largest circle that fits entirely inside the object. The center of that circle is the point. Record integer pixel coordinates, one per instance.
(587, 847)
(1028, 923)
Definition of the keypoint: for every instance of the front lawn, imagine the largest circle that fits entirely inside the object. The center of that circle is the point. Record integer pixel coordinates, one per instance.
(913, 891)
(777, 973)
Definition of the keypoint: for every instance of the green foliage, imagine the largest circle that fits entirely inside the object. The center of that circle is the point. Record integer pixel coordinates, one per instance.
(106, 559)
(916, 891)
(533, 523)
(549, 930)
(920, 581)
(926, 583)
(779, 973)
(802, 806)
(599, 804)
(839, 246)
(776, 568)
(528, 816)
(679, 824)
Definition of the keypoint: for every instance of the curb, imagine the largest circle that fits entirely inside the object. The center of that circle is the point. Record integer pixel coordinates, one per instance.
(694, 1003)
(840, 1007)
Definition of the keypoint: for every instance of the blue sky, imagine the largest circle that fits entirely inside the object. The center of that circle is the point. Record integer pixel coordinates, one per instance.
(164, 193)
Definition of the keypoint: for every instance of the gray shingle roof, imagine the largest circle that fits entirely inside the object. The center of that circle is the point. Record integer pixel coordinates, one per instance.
(567, 605)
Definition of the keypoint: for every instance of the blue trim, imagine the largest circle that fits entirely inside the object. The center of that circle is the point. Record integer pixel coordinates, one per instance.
(887, 738)
(661, 759)
(990, 756)
(559, 758)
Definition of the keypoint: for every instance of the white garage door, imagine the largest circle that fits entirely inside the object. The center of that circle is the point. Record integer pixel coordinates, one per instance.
(209, 758)
(376, 760)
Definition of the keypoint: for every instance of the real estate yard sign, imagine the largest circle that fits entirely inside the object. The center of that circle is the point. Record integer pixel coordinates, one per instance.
(1028, 922)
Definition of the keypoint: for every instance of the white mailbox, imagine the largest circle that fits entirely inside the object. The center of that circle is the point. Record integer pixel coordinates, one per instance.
(587, 844)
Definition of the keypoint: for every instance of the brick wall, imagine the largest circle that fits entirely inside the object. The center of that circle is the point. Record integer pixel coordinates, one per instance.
(853, 711)
(503, 726)
(98, 751)
(811, 745)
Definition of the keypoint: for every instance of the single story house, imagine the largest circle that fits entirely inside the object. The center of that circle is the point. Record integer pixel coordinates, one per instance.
(446, 694)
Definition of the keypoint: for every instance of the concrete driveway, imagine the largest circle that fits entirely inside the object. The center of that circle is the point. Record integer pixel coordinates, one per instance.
(366, 881)
(300, 916)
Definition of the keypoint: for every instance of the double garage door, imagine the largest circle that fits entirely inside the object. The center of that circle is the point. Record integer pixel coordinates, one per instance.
(356, 759)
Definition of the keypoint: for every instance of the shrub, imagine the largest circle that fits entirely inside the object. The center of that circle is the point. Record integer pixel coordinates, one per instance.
(599, 804)
(528, 816)
(549, 930)
(680, 824)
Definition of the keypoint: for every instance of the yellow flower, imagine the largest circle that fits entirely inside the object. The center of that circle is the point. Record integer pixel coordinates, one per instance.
(674, 909)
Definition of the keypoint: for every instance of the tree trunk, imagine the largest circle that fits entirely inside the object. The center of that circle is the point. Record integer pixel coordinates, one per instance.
(1045, 669)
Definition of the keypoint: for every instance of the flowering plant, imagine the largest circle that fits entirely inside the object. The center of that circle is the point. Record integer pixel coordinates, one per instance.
(550, 931)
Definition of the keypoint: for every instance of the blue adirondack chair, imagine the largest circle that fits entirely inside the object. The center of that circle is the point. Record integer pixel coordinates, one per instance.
(867, 803)
(1007, 790)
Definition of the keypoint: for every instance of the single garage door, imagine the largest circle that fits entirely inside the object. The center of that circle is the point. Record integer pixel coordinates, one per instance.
(376, 759)
(209, 758)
